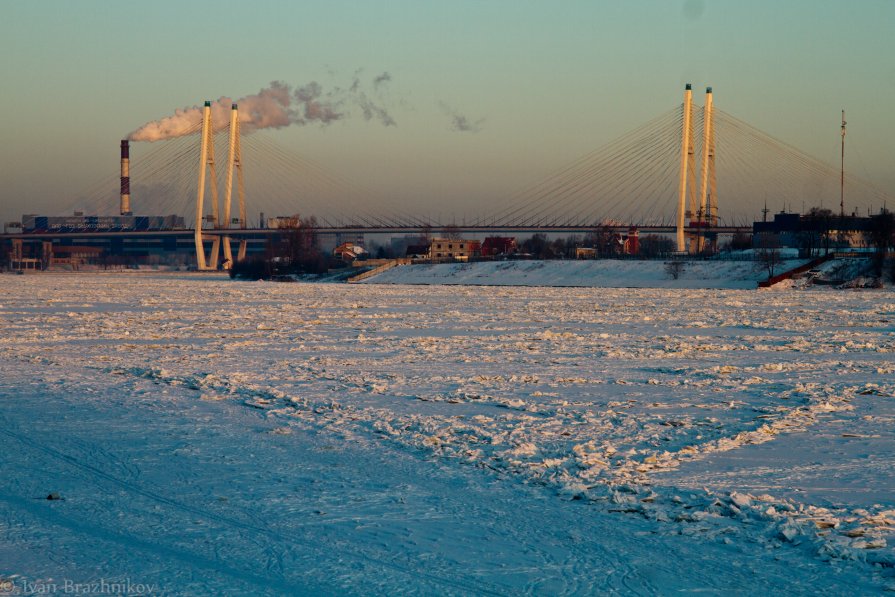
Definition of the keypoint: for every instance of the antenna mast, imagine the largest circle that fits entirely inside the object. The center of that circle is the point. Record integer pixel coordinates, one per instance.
(842, 172)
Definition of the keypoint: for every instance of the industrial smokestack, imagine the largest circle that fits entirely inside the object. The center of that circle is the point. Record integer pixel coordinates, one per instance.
(125, 179)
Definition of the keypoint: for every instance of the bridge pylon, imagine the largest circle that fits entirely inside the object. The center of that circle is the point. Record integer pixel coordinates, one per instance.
(704, 214)
(234, 161)
(688, 173)
(709, 196)
(206, 163)
(707, 216)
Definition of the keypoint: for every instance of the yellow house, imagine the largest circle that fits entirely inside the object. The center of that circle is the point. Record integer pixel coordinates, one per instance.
(454, 249)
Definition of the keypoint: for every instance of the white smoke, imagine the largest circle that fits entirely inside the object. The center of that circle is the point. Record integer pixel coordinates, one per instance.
(381, 79)
(460, 122)
(275, 106)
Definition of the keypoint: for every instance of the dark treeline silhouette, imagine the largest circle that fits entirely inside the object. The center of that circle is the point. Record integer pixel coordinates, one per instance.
(882, 235)
(605, 242)
(295, 251)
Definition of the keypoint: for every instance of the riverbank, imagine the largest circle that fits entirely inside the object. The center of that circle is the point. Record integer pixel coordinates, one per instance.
(602, 273)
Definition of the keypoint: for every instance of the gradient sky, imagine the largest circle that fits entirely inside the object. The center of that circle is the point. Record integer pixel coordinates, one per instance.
(545, 81)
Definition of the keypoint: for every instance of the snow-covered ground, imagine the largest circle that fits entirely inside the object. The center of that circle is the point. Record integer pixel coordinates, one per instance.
(599, 273)
(218, 437)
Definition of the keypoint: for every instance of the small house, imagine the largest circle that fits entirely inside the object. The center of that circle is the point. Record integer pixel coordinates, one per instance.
(454, 249)
(349, 252)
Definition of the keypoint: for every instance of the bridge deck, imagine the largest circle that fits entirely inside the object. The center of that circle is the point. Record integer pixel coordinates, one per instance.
(431, 230)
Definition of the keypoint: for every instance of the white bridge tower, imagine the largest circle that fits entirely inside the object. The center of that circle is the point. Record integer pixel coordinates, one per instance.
(215, 222)
(705, 215)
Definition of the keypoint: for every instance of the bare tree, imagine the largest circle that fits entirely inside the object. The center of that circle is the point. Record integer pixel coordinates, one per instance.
(654, 245)
(605, 240)
(769, 253)
(538, 246)
(451, 231)
(558, 248)
(739, 242)
(674, 269)
(820, 221)
(298, 246)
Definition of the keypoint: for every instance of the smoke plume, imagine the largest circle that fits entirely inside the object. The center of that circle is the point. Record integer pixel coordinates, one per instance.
(381, 79)
(275, 106)
(460, 122)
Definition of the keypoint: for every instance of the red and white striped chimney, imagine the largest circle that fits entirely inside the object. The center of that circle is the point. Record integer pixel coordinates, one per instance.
(125, 179)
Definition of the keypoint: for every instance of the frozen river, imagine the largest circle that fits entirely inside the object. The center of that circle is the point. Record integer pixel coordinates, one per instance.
(210, 436)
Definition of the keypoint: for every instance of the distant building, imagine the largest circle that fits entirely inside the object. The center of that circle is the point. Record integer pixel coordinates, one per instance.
(349, 252)
(116, 248)
(454, 249)
(606, 242)
(417, 251)
(401, 245)
(814, 232)
(75, 257)
(632, 241)
(80, 223)
(284, 222)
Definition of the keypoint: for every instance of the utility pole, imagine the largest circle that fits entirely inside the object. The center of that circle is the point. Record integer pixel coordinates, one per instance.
(842, 172)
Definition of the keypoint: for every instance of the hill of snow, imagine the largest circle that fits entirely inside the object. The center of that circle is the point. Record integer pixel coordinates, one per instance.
(602, 273)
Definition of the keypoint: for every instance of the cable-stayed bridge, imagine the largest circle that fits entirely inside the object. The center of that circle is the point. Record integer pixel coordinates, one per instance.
(694, 171)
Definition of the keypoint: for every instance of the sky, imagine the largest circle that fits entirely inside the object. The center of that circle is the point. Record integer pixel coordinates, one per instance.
(486, 96)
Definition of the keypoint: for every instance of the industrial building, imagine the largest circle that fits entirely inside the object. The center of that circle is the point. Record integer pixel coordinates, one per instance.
(80, 223)
(77, 241)
(812, 233)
